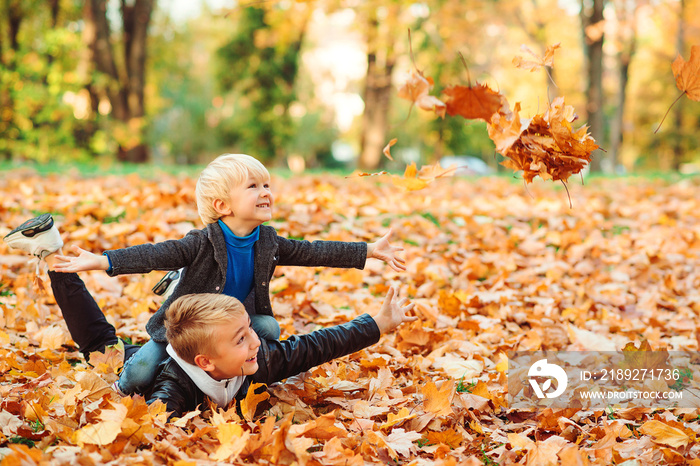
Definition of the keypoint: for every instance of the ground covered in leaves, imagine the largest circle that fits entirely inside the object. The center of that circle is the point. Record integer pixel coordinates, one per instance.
(492, 265)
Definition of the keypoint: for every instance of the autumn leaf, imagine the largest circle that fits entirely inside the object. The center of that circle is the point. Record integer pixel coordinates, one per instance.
(438, 402)
(536, 62)
(105, 432)
(110, 361)
(363, 174)
(449, 437)
(474, 102)
(402, 442)
(250, 403)
(664, 433)
(232, 439)
(545, 146)
(416, 89)
(387, 148)
(643, 357)
(414, 179)
(688, 73)
(399, 418)
(687, 76)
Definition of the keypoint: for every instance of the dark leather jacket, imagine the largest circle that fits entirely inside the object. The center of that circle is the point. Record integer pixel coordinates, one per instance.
(203, 253)
(277, 360)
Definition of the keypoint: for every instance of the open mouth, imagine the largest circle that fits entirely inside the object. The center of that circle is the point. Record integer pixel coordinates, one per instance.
(253, 359)
(267, 205)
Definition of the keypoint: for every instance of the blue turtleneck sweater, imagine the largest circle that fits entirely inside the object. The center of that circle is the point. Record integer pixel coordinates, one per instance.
(239, 271)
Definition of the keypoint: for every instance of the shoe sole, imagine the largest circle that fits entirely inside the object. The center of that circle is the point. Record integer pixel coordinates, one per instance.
(33, 227)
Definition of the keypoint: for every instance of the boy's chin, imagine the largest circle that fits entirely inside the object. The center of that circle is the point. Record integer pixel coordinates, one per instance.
(250, 368)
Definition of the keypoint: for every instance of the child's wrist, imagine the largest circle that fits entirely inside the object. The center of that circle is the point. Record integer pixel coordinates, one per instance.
(383, 325)
(370, 250)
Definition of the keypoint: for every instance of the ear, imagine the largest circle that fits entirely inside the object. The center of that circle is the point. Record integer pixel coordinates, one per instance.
(204, 363)
(222, 207)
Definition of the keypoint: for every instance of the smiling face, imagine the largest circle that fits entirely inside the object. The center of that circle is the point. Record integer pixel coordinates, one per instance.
(236, 349)
(249, 204)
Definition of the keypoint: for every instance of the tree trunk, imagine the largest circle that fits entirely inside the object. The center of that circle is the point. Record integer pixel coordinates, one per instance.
(15, 15)
(377, 98)
(628, 47)
(593, 36)
(125, 89)
(14, 20)
(678, 141)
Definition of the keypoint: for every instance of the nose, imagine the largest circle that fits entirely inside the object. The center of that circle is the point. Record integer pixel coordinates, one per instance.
(255, 341)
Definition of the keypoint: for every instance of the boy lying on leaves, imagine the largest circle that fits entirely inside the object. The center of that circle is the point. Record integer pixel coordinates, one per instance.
(214, 351)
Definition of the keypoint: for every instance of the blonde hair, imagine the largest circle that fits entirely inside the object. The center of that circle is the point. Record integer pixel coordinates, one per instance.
(223, 173)
(191, 319)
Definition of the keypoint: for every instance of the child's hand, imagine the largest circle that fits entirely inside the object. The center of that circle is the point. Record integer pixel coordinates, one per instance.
(393, 312)
(84, 261)
(382, 250)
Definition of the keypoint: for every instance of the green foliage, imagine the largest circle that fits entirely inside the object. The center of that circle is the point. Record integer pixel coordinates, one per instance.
(41, 95)
(262, 80)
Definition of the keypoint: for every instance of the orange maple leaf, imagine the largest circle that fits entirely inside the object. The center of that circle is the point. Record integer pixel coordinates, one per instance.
(687, 73)
(438, 402)
(472, 102)
(449, 437)
(417, 88)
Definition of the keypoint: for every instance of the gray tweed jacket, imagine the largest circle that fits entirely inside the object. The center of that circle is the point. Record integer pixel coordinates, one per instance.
(203, 254)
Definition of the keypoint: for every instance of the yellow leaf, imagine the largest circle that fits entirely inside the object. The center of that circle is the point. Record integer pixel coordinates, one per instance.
(102, 433)
(250, 403)
(438, 402)
(502, 365)
(664, 433)
(411, 184)
(232, 438)
(395, 419)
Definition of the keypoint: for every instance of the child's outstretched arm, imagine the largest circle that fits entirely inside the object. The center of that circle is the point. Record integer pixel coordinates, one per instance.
(83, 261)
(393, 312)
(281, 359)
(383, 250)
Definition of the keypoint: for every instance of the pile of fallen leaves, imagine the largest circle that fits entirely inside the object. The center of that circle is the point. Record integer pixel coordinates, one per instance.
(546, 145)
(492, 269)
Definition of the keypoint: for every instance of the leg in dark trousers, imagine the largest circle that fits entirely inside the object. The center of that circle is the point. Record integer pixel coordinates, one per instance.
(86, 323)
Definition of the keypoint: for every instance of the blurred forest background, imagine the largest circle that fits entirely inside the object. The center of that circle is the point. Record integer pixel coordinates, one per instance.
(312, 84)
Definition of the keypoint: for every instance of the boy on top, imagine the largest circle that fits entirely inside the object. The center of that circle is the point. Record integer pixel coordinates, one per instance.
(213, 351)
(234, 254)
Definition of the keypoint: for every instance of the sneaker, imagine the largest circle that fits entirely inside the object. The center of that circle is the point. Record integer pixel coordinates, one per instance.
(167, 284)
(38, 236)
